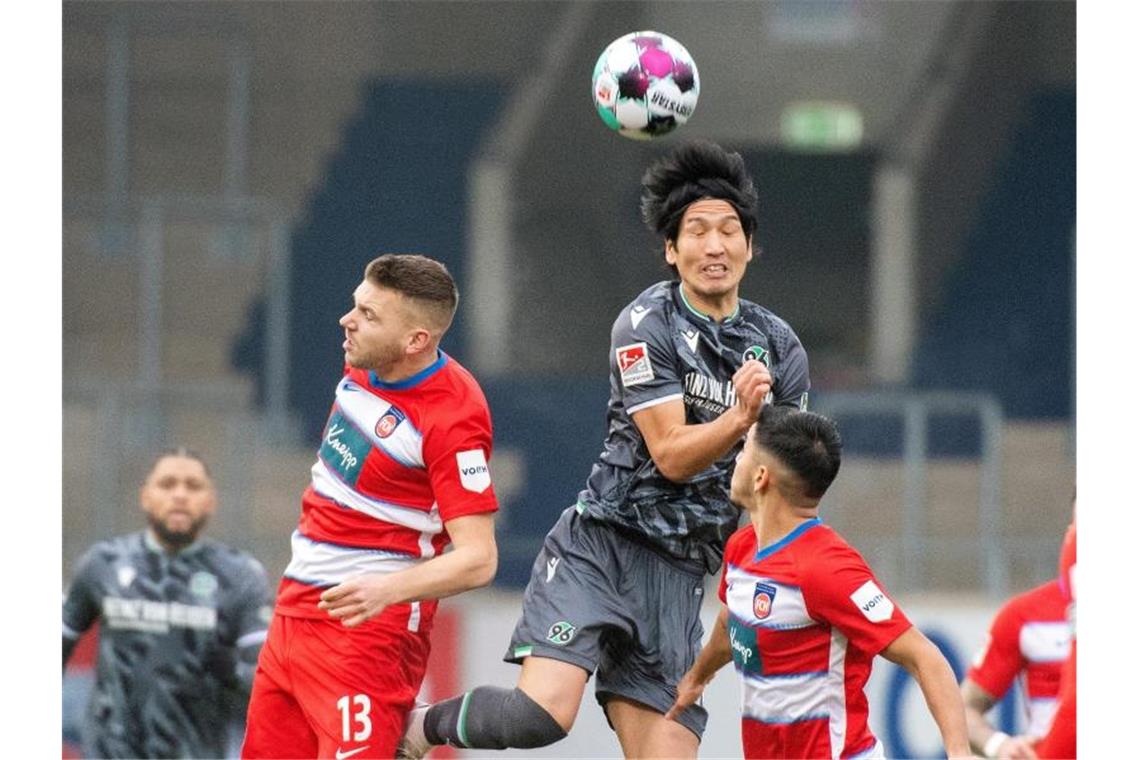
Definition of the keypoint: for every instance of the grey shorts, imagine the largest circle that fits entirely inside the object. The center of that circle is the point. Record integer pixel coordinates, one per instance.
(606, 603)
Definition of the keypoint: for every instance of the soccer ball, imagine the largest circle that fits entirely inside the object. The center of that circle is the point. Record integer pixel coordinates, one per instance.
(645, 85)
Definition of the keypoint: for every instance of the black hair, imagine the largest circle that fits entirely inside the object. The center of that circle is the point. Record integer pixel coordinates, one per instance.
(806, 443)
(181, 452)
(694, 170)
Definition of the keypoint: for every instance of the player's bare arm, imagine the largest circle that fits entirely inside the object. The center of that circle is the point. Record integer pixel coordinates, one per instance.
(913, 651)
(715, 654)
(984, 737)
(680, 451)
(471, 563)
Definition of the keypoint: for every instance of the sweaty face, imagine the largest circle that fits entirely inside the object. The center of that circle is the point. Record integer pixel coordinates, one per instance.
(711, 251)
(740, 491)
(178, 498)
(375, 333)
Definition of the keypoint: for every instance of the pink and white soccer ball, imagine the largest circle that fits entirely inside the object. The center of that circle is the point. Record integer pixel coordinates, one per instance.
(645, 85)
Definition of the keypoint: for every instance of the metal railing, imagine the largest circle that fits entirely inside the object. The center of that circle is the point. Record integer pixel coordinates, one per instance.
(915, 409)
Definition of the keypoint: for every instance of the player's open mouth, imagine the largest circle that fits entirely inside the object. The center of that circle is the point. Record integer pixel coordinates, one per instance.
(714, 270)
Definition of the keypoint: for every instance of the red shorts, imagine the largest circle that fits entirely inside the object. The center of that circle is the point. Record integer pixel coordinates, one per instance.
(323, 690)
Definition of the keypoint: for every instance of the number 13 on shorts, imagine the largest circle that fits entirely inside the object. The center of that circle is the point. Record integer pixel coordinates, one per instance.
(355, 723)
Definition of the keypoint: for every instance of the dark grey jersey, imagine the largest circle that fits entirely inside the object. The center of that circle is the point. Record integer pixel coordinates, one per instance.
(178, 641)
(663, 349)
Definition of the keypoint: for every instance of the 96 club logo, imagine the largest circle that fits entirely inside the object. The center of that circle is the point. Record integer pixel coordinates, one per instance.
(633, 364)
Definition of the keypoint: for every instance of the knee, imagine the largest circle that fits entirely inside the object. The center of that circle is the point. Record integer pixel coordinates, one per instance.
(536, 725)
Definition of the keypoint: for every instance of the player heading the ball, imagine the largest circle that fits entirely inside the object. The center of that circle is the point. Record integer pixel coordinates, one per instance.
(616, 590)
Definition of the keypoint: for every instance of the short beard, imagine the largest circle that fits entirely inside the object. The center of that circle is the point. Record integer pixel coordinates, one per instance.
(176, 540)
(380, 361)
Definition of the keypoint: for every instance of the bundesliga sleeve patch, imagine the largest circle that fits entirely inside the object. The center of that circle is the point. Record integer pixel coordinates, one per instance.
(633, 364)
(474, 474)
(873, 603)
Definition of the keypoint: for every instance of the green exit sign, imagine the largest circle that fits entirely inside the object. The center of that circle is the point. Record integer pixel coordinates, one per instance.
(821, 126)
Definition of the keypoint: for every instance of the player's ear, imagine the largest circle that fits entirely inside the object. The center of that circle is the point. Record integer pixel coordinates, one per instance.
(751, 250)
(418, 340)
(212, 500)
(761, 479)
(670, 253)
(145, 500)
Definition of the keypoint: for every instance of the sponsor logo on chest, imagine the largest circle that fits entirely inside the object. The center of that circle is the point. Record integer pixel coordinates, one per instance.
(707, 392)
(745, 651)
(157, 617)
(344, 448)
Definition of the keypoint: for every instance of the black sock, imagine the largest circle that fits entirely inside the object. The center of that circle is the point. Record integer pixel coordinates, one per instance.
(491, 718)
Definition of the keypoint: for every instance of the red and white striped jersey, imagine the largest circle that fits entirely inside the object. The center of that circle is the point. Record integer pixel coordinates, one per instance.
(806, 618)
(1060, 741)
(396, 462)
(1028, 641)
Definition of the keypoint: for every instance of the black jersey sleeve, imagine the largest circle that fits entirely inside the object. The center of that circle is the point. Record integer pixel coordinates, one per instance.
(81, 604)
(251, 611)
(793, 382)
(643, 358)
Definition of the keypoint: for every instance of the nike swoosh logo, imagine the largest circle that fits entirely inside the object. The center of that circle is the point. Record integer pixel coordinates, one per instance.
(349, 387)
(341, 754)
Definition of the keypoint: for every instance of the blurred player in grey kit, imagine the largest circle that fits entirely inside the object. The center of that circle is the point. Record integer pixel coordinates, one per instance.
(181, 620)
(616, 589)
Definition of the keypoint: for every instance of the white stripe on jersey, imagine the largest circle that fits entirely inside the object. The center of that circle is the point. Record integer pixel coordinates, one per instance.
(654, 402)
(1045, 642)
(414, 617)
(70, 634)
(837, 691)
(405, 444)
(1039, 712)
(329, 486)
(426, 547)
(788, 611)
(786, 698)
(319, 564)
